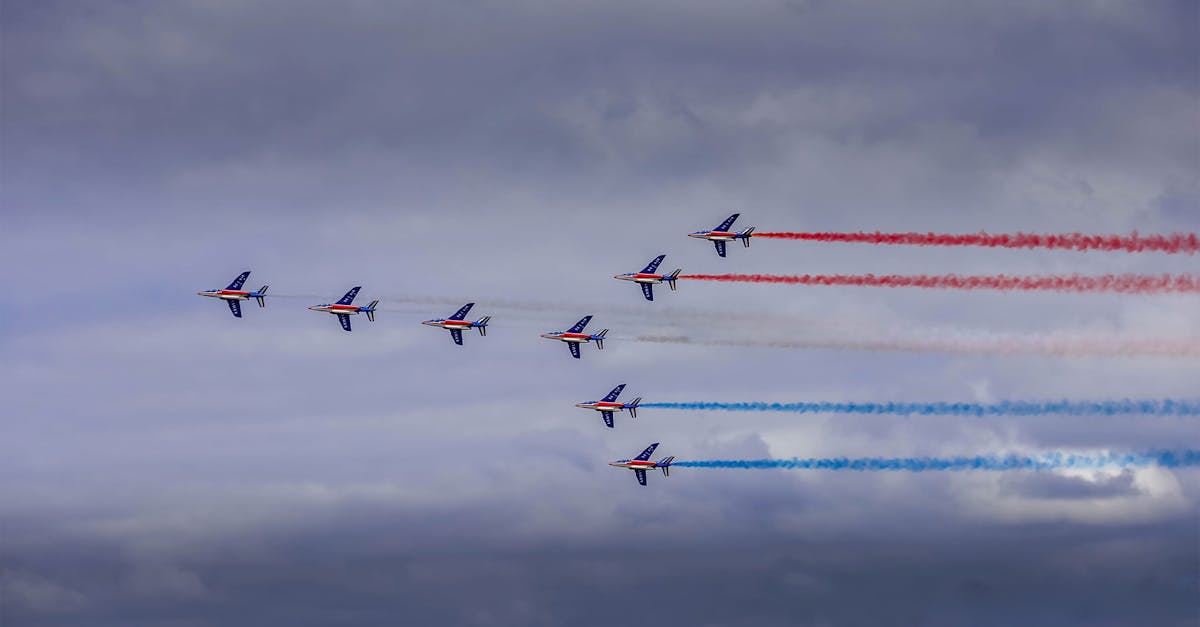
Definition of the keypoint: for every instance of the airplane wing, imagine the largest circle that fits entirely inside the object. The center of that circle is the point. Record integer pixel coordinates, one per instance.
(720, 248)
(612, 396)
(647, 290)
(578, 328)
(349, 297)
(653, 265)
(457, 335)
(607, 418)
(235, 307)
(574, 346)
(345, 320)
(641, 475)
(239, 281)
(724, 226)
(461, 314)
(644, 455)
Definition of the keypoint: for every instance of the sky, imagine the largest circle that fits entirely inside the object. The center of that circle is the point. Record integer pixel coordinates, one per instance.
(163, 463)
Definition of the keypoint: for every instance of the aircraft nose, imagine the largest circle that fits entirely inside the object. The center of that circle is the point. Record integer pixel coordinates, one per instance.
(314, 308)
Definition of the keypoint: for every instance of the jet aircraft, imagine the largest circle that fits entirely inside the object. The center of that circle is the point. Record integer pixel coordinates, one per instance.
(457, 323)
(722, 234)
(234, 294)
(647, 279)
(343, 309)
(608, 405)
(575, 336)
(640, 464)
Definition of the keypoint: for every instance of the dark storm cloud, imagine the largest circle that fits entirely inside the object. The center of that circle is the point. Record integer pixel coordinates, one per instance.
(164, 464)
(553, 88)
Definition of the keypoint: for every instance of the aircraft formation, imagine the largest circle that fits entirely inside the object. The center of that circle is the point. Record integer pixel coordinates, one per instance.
(574, 337)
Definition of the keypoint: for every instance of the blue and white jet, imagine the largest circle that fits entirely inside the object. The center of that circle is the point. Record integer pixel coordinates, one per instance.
(722, 234)
(575, 336)
(640, 464)
(647, 279)
(234, 294)
(343, 309)
(607, 405)
(457, 323)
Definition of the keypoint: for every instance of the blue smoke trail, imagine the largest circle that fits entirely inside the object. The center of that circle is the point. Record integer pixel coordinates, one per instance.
(1046, 461)
(1165, 407)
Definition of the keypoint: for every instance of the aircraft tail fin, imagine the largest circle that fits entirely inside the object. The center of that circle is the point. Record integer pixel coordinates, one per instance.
(482, 323)
(632, 406)
(262, 291)
(370, 309)
(745, 236)
(665, 465)
(600, 338)
(671, 278)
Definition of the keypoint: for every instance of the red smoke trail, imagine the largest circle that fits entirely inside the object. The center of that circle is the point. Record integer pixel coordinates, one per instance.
(1172, 243)
(1120, 283)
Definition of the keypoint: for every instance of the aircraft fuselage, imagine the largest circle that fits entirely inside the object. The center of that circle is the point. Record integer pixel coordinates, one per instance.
(569, 337)
(715, 236)
(601, 406)
(345, 310)
(226, 294)
(634, 464)
(641, 277)
(450, 324)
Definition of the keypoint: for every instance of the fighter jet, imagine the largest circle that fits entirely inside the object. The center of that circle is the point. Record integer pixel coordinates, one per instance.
(608, 405)
(343, 309)
(647, 279)
(234, 294)
(575, 336)
(722, 234)
(457, 323)
(640, 464)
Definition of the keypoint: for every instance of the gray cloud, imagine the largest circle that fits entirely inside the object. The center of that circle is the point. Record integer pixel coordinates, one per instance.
(165, 464)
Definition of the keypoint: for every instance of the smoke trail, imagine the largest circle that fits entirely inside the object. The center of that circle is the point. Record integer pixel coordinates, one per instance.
(1165, 407)
(1152, 347)
(1046, 461)
(1173, 243)
(1120, 283)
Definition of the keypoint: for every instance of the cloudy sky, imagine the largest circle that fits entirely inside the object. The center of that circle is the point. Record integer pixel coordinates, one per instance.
(162, 463)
